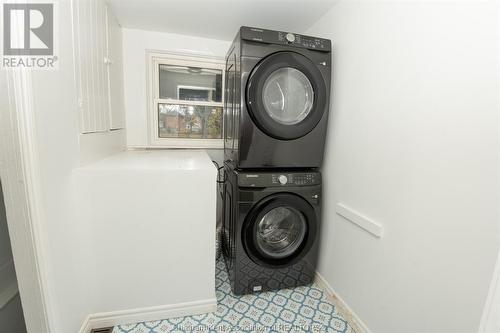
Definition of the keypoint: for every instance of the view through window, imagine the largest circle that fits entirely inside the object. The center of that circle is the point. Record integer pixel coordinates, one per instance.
(188, 101)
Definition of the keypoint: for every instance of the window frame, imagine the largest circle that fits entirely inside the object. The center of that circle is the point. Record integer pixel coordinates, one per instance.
(155, 59)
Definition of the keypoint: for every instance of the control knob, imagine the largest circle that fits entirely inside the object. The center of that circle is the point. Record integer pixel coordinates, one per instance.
(290, 37)
(283, 179)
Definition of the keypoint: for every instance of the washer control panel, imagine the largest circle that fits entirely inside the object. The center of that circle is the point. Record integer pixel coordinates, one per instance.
(272, 179)
(285, 38)
(294, 179)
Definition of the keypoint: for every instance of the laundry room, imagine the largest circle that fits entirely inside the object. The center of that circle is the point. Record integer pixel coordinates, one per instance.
(250, 166)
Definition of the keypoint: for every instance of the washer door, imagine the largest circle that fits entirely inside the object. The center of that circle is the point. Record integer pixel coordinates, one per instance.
(279, 229)
(286, 95)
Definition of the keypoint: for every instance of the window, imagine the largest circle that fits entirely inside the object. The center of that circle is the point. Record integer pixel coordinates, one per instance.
(186, 101)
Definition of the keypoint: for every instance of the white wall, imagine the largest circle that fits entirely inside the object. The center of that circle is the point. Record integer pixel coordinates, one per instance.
(95, 146)
(59, 151)
(413, 144)
(135, 44)
(57, 133)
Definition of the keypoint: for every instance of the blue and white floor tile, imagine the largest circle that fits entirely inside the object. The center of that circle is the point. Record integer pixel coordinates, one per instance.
(302, 309)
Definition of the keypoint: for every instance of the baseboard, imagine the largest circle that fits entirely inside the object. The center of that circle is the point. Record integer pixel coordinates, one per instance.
(353, 319)
(106, 319)
(85, 326)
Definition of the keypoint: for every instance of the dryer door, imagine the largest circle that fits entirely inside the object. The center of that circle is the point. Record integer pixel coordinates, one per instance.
(279, 230)
(286, 95)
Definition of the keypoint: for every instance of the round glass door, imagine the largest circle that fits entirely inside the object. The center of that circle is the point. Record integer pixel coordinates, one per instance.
(279, 229)
(280, 232)
(288, 96)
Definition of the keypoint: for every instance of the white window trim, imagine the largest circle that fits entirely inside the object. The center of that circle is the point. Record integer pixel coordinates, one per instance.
(155, 58)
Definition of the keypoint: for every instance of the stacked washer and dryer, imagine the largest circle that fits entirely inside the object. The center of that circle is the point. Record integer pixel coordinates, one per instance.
(276, 103)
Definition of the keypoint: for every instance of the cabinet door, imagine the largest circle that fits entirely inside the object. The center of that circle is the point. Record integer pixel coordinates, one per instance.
(100, 52)
(89, 20)
(83, 64)
(115, 71)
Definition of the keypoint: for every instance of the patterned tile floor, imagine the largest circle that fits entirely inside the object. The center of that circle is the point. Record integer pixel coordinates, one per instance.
(302, 309)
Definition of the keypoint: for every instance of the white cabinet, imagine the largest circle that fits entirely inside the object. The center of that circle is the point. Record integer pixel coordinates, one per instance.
(98, 66)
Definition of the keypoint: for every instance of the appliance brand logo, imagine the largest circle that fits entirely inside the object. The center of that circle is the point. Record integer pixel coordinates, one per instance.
(28, 36)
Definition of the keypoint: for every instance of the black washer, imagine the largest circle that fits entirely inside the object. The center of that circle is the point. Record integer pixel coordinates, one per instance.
(249, 233)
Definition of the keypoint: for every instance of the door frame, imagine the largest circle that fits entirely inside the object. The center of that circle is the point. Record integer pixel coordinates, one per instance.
(19, 172)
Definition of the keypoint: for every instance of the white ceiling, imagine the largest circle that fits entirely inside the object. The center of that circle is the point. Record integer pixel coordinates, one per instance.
(218, 19)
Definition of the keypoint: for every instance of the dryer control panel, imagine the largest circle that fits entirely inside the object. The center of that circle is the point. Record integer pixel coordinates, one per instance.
(273, 179)
(285, 38)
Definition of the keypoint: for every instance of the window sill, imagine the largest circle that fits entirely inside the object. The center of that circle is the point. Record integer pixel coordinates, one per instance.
(187, 144)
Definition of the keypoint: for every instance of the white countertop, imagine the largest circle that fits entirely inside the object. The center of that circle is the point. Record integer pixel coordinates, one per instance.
(172, 159)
